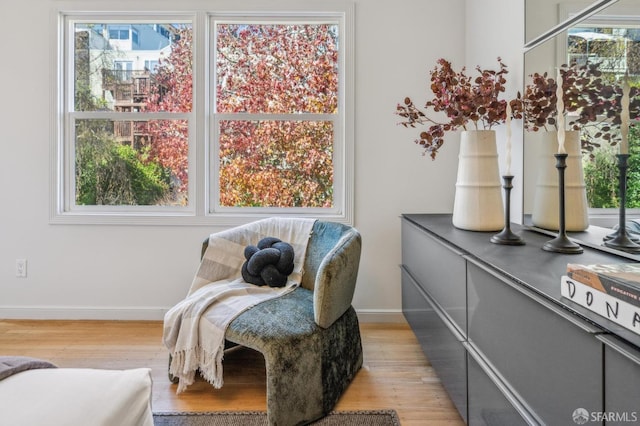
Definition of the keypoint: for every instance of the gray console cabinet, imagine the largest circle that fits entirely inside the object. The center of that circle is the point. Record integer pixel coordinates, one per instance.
(622, 380)
(508, 348)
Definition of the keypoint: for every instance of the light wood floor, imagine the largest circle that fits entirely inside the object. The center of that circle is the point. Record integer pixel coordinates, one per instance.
(395, 375)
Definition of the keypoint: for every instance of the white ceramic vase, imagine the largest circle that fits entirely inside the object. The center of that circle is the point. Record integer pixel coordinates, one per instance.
(478, 204)
(546, 213)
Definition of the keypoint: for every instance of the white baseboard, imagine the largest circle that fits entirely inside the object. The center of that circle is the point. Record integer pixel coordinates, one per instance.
(82, 313)
(380, 315)
(145, 313)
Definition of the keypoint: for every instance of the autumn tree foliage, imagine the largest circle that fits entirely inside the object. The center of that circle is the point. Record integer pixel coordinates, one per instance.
(172, 91)
(270, 79)
(276, 84)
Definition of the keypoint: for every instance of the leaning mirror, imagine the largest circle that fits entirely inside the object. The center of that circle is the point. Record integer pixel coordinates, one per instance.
(606, 34)
(540, 25)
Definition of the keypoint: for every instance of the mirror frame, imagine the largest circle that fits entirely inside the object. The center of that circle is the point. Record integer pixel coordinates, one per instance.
(580, 16)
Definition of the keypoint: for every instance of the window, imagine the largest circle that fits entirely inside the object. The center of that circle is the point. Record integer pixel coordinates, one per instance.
(210, 117)
(151, 65)
(276, 108)
(121, 69)
(118, 32)
(127, 133)
(614, 46)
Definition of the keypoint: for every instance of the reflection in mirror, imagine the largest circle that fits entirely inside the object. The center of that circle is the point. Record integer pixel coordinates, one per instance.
(610, 39)
(535, 33)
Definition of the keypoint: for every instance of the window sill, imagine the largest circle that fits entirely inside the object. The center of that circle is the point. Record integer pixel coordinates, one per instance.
(225, 220)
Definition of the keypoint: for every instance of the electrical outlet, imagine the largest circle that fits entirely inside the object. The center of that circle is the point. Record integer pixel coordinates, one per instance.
(21, 268)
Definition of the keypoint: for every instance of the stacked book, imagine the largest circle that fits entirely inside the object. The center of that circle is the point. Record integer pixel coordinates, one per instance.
(612, 291)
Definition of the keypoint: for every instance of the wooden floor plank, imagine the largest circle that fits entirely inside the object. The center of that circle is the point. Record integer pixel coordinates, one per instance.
(395, 374)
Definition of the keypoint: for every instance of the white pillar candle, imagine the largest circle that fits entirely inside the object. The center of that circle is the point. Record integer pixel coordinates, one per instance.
(560, 109)
(508, 131)
(624, 117)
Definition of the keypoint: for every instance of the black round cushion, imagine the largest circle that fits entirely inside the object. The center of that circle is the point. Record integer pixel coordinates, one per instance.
(268, 263)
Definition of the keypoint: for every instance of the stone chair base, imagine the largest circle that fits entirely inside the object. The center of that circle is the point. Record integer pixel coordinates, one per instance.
(308, 368)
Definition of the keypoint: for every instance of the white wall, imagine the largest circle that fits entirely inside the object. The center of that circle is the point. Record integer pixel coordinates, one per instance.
(495, 28)
(122, 272)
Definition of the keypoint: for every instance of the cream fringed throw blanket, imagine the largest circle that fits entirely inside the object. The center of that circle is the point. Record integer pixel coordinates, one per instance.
(194, 329)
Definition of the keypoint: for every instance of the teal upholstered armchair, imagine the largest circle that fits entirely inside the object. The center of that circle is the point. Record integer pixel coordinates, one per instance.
(310, 337)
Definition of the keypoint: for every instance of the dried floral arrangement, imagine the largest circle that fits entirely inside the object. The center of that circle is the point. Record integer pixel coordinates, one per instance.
(591, 101)
(463, 99)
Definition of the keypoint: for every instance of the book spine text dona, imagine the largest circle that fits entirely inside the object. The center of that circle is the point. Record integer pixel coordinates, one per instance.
(603, 304)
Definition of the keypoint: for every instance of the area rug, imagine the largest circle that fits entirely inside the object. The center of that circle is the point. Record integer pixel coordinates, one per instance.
(259, 418)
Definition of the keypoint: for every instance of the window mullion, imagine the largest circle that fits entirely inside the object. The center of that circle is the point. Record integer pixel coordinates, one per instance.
(130, 116)
(281, 117)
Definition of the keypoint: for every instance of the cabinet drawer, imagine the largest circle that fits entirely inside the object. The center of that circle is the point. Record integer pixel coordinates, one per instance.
(441, 344)
(487, 404)
(438, 269)
(621, 381)
(549, 357)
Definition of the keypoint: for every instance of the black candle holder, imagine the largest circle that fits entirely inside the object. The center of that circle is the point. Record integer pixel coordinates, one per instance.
(615, 234)
(620, 239)
(562, 243)
(506, 236)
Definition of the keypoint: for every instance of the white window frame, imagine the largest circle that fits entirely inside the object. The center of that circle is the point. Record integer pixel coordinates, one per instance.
(202, 143)
(621, 17)
(336, 119)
